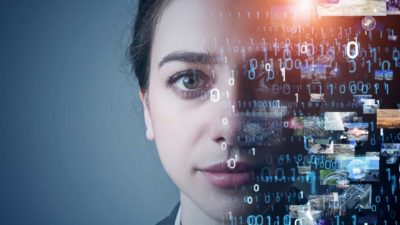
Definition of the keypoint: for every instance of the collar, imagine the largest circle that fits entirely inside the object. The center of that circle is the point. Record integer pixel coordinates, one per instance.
(178, 217)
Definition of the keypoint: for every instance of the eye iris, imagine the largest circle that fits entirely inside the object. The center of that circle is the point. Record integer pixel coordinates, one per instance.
(191, 82)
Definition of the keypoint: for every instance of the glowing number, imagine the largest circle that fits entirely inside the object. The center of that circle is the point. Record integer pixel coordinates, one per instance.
(306, 143)
(308, 50)
(255, 220)
(231, 81)
(231, 163)
(354, 217)
(286, 89)
(365, 88)
(388, 172)
(348, 49)
(386, 88)
(289, 62)
(252, 74)
(376, 86)
(287, 220)
(385, 65)
(298, 222)
(283, 73)
(249, 200)
(352, 87)
(256, 188)
(253, 64)
(225, 121)
(305, 49)
(215, 95)
(271, 75)
(360, 84)
(342, 89)
(395, 54)
(297, 64)
(353, 67)
(267, 67)
(223, 145)
(286, 124)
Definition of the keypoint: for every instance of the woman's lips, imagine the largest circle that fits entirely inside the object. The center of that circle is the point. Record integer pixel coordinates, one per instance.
(220, 175)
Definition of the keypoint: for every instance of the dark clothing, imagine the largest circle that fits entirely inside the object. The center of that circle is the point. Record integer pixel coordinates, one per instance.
(170, 220)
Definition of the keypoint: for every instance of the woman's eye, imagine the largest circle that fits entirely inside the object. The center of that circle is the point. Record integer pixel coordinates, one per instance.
(190, 80)
(190, 83)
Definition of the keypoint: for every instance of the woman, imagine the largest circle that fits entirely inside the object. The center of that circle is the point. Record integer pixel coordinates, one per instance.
(213, 105)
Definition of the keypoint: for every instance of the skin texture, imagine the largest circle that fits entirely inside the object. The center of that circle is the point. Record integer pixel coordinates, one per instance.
(189, 131)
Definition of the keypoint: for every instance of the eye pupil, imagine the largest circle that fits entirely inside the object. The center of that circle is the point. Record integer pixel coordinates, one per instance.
(191, 81)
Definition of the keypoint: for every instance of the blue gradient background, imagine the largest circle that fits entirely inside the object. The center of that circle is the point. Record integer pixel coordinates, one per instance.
(72, 143)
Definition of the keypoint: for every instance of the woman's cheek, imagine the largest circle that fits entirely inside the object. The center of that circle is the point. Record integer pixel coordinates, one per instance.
(172, 144)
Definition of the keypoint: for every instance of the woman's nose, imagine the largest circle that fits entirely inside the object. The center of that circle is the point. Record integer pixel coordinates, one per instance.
(240, 122)
(233, 115)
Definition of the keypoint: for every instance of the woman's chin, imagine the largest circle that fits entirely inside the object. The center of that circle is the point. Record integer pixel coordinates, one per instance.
(223, 212)
(223, 206)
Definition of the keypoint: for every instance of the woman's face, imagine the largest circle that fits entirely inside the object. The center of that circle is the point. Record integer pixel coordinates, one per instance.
(199, 133)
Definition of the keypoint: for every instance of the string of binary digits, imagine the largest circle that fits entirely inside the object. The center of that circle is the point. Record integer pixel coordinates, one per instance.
(330, 71)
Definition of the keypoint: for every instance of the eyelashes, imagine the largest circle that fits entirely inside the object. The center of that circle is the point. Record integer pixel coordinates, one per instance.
(190, 84)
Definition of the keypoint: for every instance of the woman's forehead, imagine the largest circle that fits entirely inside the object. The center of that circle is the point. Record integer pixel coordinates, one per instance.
(199, 24)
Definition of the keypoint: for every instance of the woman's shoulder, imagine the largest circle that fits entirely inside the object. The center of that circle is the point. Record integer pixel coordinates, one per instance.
(170, 220)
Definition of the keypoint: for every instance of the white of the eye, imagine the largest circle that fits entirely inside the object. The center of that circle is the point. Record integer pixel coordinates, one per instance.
(179, 84)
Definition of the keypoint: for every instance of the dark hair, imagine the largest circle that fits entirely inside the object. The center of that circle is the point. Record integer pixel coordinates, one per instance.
(139, 51)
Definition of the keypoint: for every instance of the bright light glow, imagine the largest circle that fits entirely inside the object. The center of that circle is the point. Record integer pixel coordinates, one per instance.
(305, 5)
(303, 10)
(309, 215)
(356, 170)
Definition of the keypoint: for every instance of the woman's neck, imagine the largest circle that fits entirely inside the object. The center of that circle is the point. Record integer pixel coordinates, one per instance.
(191, 214)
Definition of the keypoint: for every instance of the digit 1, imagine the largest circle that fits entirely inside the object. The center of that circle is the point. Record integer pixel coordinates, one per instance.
(330, 86)
(369, 65)
(337, 220)
(283, 73)
(376, 86)
(322, 49)
(388, 172)
(387, 88)
(372, 126)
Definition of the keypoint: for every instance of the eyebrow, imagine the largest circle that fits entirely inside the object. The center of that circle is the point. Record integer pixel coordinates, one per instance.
(191, 57)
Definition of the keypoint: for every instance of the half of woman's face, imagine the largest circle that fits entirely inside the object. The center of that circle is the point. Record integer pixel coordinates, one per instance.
(200, 106)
